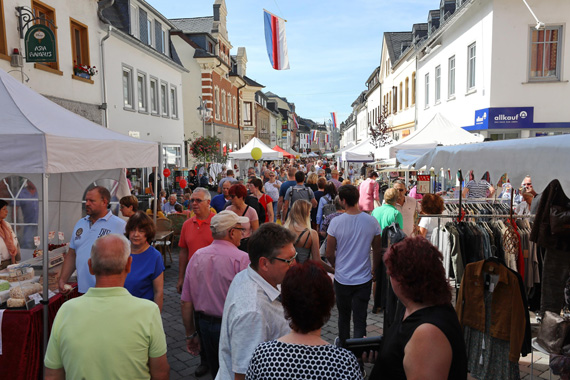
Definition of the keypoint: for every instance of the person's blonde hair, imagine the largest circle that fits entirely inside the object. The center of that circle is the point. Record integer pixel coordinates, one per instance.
(312, 178)
(391, 196)
(300, 215)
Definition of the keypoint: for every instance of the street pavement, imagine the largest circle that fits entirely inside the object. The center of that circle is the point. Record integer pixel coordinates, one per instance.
(183, 365)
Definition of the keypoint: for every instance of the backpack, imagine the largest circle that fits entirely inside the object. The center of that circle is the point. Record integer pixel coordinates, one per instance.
(329, 208)
(299, 193)
(253, 202)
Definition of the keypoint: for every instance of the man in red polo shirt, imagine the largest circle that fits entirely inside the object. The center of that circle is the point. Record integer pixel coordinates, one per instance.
(195, 232)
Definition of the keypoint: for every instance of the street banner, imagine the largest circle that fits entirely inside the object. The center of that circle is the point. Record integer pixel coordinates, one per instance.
(275, 41)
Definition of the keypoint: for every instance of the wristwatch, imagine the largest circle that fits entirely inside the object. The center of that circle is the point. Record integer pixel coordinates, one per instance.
(194, 335)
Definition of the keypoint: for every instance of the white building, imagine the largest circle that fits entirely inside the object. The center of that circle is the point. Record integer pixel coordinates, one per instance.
(78, 32)
(488, 69)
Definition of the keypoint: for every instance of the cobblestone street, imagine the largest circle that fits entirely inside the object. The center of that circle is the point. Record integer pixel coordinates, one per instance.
(183, 365)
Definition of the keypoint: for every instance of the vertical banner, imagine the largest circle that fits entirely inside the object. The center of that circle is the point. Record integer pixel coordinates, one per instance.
(276, 41)
(333, 119)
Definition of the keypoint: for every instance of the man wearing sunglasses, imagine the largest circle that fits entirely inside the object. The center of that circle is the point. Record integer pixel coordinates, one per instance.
(253, 312)
(209, 274)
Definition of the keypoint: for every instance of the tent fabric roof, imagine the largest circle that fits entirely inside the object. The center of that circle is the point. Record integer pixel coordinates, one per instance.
(362, 152)
(40, 136)
(245, 152)
(439, 131)
(286, 154)
(543, 158)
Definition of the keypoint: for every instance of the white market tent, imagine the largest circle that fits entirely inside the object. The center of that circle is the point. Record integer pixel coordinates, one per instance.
(439, 131)
(362, 152)
(63, 154)
(543, 158)
(244, 153)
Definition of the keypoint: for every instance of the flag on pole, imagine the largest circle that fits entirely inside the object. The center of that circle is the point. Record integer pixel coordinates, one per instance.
(295, 121)
(333, 118)
(275, 41)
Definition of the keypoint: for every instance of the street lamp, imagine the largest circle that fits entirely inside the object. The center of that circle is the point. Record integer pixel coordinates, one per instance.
(204, 114)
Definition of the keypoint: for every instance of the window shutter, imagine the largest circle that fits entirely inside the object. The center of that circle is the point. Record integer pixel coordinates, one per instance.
(143, 26)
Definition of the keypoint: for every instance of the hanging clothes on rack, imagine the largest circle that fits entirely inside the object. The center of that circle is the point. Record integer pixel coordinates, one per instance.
(491, 310)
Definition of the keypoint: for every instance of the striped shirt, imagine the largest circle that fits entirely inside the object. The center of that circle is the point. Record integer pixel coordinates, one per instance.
(477, 189)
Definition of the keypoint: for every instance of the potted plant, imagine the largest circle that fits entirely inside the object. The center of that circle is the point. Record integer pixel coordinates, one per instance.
(84, 71)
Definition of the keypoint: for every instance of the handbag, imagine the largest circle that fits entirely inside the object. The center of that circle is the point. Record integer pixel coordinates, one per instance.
(553, 331)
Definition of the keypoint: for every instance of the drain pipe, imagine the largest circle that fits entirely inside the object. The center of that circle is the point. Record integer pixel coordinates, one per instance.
(103, 4)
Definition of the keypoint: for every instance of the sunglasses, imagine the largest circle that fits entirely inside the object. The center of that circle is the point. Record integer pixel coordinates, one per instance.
(527, 184)
(196, 200)
(288, 261)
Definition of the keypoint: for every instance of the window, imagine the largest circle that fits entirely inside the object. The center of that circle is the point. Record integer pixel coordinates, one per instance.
(437, 84)
(23, 205)
(134, 21)
(247, 113)
(141, 92)
(471, 54)
(164, 99)
(79, 43)
(229, 108)
(173, 102)
(149, 31)
(48, 13)
(158, 42)
(154, 96)
(413, 88)
(217, 101)
(128, 87)
(163, 44)
(143, 26)
(451, 78)
(427, 90)
(3, 46)
(235, 110)
(401, 92)
(407, 92)
(223, 105)
(545, 53)
(395, 99)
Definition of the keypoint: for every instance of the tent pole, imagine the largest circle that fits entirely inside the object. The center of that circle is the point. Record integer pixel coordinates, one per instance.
(155, 203)
(45, 258)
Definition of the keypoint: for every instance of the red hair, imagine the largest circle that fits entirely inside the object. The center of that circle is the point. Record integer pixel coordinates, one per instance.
(417, 266)
(238, 190)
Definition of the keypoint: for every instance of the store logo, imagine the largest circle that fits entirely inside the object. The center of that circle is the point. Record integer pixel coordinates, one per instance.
(481, 119)
(523, 114)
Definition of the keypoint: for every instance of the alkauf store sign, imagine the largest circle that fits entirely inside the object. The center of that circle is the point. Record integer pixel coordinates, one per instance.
(504, 118)
(40, 44)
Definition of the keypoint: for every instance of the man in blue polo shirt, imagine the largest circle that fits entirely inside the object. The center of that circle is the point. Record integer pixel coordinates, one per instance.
(99, 221)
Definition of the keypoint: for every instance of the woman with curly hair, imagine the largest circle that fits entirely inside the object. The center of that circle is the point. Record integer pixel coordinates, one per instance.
(307, 296)
(425, 341)
(431, 204)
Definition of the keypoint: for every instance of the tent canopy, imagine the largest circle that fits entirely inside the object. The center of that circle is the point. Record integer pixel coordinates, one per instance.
(244, 153)
(362, 152)
(543, 158)
(439, 131)
(286, 154)
(39, 136)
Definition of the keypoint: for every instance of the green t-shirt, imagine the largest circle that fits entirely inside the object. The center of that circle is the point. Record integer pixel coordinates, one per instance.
(386, 215)
(106, 334)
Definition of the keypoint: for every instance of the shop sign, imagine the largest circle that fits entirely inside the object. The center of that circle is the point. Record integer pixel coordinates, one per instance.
(423, 184)
(40, 44)
(504, 118)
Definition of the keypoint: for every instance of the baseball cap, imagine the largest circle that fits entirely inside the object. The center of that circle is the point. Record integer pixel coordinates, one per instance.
(225, 220)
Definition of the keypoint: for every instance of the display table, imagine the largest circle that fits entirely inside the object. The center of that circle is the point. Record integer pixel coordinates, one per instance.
(22, 339)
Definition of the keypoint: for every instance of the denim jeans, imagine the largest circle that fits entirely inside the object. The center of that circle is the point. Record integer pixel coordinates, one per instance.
(210, 342)
(274, 211)
(352, 299)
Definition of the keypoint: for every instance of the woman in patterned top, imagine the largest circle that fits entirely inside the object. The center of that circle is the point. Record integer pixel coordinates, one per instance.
(308, 298)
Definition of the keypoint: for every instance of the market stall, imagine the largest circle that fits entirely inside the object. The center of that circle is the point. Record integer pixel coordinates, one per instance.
(244, 153)
(62, 154)
(286, 154)
(362, 152)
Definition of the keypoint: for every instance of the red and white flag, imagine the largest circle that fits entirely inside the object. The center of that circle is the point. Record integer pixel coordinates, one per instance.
(275, 41)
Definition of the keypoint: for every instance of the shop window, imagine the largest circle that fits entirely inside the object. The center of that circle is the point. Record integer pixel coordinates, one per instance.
(164, 98)
(141, 92)
(3, 46)
(173, 102)
(23, 208)
(47, 13)
(128, 101)
(545, 53)
(154, 96)
(472, 56)
(451, 78)
(79, 43)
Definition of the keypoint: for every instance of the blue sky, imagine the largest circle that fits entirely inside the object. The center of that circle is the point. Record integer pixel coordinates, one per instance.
(333, 45)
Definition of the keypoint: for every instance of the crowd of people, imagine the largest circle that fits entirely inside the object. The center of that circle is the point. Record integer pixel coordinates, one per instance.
(256, 267)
